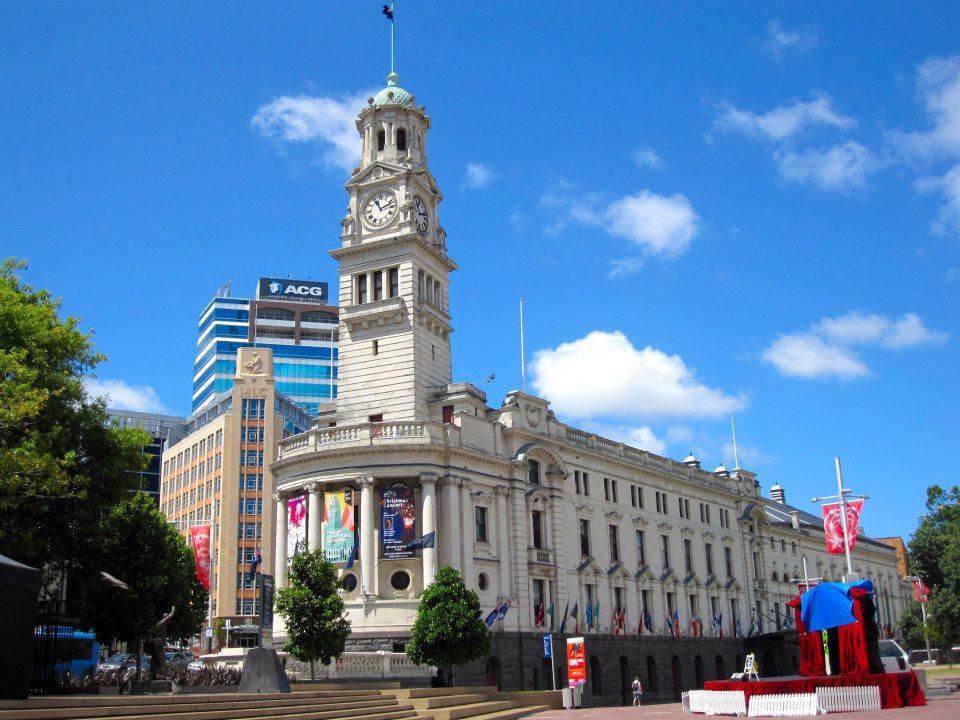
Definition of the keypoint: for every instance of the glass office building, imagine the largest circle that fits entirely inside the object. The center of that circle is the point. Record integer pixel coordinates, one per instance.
(293, 318)
(159, 427)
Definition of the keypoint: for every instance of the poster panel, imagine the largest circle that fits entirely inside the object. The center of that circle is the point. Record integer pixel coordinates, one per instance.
(338, 526)
(200, 536)
(921, 593)
(576, 662)
(397, 522)
(296, 525)
(833, 527)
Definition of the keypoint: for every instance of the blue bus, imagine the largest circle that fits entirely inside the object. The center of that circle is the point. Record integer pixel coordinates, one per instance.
(67, 650)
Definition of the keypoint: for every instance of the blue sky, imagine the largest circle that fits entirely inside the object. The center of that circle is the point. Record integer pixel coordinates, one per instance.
(747, 207)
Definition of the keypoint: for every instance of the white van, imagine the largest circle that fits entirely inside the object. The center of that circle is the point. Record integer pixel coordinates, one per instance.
(894, 657)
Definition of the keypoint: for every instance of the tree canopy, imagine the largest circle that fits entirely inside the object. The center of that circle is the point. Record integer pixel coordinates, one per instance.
(61, 465)
(449, 630)
(934, 552)
(139, 547)
(314, 612)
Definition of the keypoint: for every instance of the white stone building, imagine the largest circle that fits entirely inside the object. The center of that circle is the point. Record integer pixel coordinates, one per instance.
(523, 505)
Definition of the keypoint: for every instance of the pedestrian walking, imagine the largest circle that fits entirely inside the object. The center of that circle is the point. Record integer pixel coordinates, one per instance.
(637, 691)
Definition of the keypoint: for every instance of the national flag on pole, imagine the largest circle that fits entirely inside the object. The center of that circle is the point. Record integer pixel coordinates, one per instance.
(676, 623)
(352, 559)
(596, 613)
(200, 535)
(504, 606)
(833, 525)
(737, 629)
(921, 593)
(576, 620)
(388, 11)
(754, 623)
(496, 614)
(424, 541)
(588, 616)
(696, 626)
(538, 619)
(563, 621)
(254, 562)
(640, 626)
(551, 611)
(718, 626)
(648, 621)
(670, 626)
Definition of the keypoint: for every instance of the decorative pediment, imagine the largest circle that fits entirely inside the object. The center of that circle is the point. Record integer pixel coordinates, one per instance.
(617, 570)
(377, 172)
(537, 497)
(584, 511)
(640, 522)
(708, 535)
(589, 567)
(712, 582)
(668, 576)
(732, 584)
(727, 540)
(613, 516)
(664, 526)
(687, 532)
(643, 573)
(692, 580)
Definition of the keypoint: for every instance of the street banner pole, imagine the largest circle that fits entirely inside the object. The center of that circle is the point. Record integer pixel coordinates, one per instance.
(843, 519)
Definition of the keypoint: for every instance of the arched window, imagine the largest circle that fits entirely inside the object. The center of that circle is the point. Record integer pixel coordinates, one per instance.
(698, 672)
(402, 140)
(651, 673)
(493, 672)
(775, 577)
(275, 314)
(381, 140)
(596, 685)
(675, 677)
(721, 668)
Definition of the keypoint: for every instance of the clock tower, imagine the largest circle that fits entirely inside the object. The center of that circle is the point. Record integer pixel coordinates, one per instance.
(394, 269)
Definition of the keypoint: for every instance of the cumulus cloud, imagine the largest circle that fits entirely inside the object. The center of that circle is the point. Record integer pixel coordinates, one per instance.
(783, 122)
(842, 167)
(642, 437)
(478, 175)
(646, 157)
(780, 42)
(121, 396)
(603, 375)
(828, 348)
(327, 122)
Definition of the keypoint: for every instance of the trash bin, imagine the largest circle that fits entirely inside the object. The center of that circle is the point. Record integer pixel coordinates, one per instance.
(567, 698)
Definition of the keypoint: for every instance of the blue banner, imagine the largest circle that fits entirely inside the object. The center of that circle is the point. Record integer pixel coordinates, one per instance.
(397, 522)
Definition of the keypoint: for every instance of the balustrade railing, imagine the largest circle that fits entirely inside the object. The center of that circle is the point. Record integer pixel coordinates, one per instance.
(360, 434)
(375, 664)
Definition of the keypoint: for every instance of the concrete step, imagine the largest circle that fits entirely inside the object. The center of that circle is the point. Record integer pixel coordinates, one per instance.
(222, 709)
(411, 693)
(398, 712)
(472, 710)
(146, 700)
(512, 714)
(442, 701)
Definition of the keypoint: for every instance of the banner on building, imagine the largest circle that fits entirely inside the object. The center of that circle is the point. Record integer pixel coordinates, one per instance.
(338, 526)
(833, 527)
(576, 662)
(397, 522)
(200, 536)
(921, 593)
(296, 525)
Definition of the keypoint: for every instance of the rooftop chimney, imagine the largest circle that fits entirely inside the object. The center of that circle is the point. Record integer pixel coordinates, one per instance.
(778, 494)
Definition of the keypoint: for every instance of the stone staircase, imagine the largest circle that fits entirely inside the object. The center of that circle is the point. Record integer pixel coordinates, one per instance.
(340, 704)
(475, 703)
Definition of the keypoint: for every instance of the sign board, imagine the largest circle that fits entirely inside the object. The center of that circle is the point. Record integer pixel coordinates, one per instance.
(309, 291)
(208, 632)
(338, 526)
(750, 668)
(547, 646)
(397, 522)
(296, 525)
(576, 662)
(266, 602)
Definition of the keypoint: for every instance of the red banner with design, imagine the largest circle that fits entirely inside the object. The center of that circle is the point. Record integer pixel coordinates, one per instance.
(921, 593)
(200, 535)
(833, 527)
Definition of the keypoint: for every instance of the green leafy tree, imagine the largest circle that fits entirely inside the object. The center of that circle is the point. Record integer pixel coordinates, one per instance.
(449, 630)
(314, 612)
(934, 552)
(61, 465)
(143, 550)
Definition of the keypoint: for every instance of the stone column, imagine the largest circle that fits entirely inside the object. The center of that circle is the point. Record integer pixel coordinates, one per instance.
(428, 514)
(503, 538)
(314, 513)
(280, 542)
(368, 548)
(453, 540)
(469, 530)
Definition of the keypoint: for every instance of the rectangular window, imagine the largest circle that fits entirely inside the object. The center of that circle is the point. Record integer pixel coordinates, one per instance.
(378, 418)
(671, 603)
(756, 566)
(375, 347)
(576, 481)
(586, 484)
(533, 472)
(618, 603)
(447, 414)
(708, 554)
(658, 501)
(688, 555)
(639, 497)
(728, 561)
(633, 496)
(585, 538)
(480, 523)
(641, 548)
(394, 282)
(361, 289)
(734, 612)
(714, 607)
(539, 597)
(378, 285)
(694, 606)
(665, 551)
(606, 489)
(613, 490)
(614, 536)
(645, 601)
(537, 525)
(776, 614)
(591, 594)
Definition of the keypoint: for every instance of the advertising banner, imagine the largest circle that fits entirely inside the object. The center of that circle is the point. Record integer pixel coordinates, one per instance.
(576, 662)
(397, 519)
(833, 528)
(921, 593)
(338, 526)
(266, 603)
(296, 525)
(200, 536)
(296, 290)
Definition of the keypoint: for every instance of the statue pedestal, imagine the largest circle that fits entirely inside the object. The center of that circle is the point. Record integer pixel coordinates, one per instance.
(263, 672)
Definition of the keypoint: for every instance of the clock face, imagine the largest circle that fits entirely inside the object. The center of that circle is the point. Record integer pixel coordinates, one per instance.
(421, 217)
(380, 209)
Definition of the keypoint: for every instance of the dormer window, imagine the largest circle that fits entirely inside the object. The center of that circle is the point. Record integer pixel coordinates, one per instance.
(402, 140)
(381, 140)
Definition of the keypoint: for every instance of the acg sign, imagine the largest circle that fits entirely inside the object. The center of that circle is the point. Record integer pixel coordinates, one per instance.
(296, 290)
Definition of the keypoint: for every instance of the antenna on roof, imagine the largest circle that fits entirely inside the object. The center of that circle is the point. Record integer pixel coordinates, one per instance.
(523, 358)
(736, 457)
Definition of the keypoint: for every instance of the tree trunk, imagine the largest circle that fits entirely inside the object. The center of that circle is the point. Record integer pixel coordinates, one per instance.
(313, 674)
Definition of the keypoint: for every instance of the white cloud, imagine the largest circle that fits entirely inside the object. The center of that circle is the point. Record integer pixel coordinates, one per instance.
(938, 89)
(326, 121)
(827, 350)
(842, 167)
(780, 42)
(478, 175)
(661, 225)
(642, 437)
(604, 375)
(748, 455)
(948, 218)
(785, 121)
(121, 396)
(647, 157)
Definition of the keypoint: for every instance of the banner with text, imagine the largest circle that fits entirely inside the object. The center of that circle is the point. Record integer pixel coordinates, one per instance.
(200, 536)
(338, 526)
(296, 525)
(397, 522)
(576, 662)
(921, 593)
(833, 527)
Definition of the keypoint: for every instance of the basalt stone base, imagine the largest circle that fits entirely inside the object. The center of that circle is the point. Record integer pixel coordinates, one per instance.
(263, 673)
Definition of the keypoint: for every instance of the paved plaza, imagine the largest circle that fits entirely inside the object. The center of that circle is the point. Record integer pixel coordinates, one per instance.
(947, 708)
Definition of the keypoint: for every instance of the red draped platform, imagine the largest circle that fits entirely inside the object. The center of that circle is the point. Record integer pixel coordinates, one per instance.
(896, 689)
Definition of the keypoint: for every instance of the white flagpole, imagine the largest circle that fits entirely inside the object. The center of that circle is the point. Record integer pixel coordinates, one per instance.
(736, 457)
(523, 356)
(843, 519)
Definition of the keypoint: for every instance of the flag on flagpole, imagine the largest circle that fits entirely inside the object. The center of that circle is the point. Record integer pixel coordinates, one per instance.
(737, 629)
(352, 559)
(424, 541)
(596, 613)
(576, 619)
(588, 616)
(551, 611)
(648, 621)
(492, 617)
(563, 621)
(504, 607)
(388, 11)
(676, 623)
(669, 625)
(538, 619)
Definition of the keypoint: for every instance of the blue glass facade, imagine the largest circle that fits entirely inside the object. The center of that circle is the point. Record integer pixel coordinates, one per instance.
(301, 337)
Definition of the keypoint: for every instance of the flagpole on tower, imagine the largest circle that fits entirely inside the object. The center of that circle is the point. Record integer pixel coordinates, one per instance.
(523, 355)
(736, 457)
(388, 11)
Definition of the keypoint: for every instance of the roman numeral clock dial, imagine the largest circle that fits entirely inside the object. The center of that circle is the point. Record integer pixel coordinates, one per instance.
(380, 209)
(421, 217)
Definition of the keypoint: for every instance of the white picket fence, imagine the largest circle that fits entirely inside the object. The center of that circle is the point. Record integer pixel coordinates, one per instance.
(792, 705)
(848, 699)
(714, 702)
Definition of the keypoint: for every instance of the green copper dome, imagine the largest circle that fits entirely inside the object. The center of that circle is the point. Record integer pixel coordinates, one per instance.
(392, 94)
